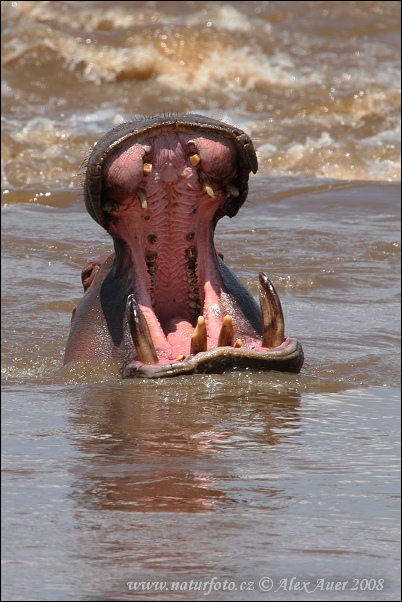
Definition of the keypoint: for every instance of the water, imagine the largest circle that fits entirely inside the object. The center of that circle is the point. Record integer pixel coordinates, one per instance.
(237, 477)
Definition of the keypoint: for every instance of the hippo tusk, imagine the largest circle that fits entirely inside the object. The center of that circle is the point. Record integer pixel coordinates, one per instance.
(272, 315)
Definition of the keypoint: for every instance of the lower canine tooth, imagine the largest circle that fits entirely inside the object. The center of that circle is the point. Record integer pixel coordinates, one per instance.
(199, 337)
(238, 344)
(226, 334)
(272, 315)
(139, 329)
(142, 198)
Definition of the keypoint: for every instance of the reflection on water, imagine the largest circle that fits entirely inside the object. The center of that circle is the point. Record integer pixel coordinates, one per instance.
(161, 452)
(232, 476)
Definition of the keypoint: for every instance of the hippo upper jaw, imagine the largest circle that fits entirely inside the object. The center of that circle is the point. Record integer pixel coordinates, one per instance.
(159, 186)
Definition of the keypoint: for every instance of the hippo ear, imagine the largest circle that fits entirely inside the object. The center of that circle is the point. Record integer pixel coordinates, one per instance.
(90, 270)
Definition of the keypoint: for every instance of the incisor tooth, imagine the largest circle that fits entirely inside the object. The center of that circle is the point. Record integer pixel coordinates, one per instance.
(147, 169)
(272, 315)
(139, 329)
(195, 159)
(181, 357)
(199, 337)
(226, 334)
(231, 190)
(142, 198)
(206, 186)
(238, 344)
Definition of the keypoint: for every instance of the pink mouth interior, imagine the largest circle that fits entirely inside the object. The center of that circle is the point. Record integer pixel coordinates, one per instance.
(166, 217)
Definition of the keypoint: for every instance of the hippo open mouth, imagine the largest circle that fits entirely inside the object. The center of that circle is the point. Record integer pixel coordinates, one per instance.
(165, 303)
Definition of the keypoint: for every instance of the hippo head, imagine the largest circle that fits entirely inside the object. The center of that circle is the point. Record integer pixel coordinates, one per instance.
(165, 303)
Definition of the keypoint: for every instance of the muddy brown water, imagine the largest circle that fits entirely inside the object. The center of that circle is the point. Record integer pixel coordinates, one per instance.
(216, 482)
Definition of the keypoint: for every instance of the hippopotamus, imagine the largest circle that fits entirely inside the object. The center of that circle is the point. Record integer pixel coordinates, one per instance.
(165, 303)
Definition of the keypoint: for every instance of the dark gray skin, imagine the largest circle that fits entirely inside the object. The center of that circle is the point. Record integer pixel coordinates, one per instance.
(165, 303)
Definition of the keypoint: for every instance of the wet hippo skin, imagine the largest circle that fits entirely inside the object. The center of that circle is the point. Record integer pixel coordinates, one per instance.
(164, 303)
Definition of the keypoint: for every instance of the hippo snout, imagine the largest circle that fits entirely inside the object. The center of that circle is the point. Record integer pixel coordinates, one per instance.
(164, 303)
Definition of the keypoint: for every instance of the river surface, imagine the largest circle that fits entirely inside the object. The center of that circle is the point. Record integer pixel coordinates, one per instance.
(227, 485)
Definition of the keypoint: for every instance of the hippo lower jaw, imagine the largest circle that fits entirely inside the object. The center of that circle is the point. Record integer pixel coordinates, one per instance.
(166, 304)
(226, 352)
(288, 357)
